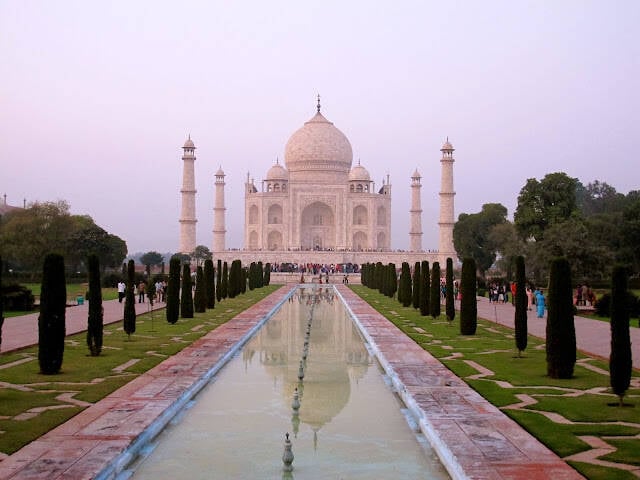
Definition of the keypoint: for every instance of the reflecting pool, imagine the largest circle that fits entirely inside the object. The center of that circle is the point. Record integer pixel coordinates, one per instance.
(349, 425)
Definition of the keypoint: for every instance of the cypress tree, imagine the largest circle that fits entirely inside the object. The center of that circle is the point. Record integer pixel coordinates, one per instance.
(259, 273)
(209, 284)
(425, 288)
(186, 298)
(1, 302)
(129, 321)
(267, 274)
(95, 323)
(51, 322)
(392, 278)
(434, 297)
(561, 333)
(468, 304)
(415, 287)
(252, 275)
(224, 291)
(520, 315)
(450, 307)
(620, 365)
(379, 277)
(243, 284)
(173, 291)
(404, 290)
(219, 281)
(233, 286)
(200, 300)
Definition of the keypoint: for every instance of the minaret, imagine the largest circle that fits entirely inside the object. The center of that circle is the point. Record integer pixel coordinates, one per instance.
(188, 191)
(415, 234)
(446, 203)
(219, 229)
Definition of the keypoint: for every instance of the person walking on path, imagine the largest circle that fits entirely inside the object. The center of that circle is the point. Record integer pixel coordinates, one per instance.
(141, 287)
(540, 303)
(121, 289)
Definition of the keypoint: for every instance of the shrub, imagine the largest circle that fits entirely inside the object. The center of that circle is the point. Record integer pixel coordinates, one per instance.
(129, 323)
(51, 322)
(468, 304)
(186, 298)
(173, 291)
(267, 274)
(434, 296)
(450, 308)
(561, 334)
(95, 323)
(17, 298)
(520, 315)
(620, 365)
(209, 284)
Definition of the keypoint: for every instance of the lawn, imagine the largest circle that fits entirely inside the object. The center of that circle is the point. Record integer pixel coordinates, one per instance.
(32, 404)
(581, 402)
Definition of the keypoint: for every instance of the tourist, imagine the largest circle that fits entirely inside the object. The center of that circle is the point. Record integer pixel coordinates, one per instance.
(540, 303)
(121, 289)
(141, 287)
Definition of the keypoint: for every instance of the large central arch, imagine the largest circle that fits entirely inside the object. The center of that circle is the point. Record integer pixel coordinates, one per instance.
(318, 227)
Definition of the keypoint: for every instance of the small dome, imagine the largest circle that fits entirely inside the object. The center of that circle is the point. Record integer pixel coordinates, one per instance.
(220, 172)
(277, 172)
(359, 174)
(189, 143)
(416, 174)
(447, 146)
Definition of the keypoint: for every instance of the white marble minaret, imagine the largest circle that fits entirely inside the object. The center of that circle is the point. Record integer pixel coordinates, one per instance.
(188, 191)
(219, 229)
(415, 234)
(446, 203)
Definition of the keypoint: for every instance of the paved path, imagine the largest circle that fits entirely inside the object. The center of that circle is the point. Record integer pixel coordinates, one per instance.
(474, 438)
(22, 331)
(592, 336)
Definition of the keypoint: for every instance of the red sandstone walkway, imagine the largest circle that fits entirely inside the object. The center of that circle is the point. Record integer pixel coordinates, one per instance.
(22, 331)
(592, 336)
(475, 439)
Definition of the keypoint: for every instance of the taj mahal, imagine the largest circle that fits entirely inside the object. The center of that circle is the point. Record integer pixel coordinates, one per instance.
(318, 207)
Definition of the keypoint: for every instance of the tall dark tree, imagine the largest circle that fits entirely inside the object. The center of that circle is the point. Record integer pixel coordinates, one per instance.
(392, 280)
(415, 292)
(173, 291)
(224, 291)
(267, 274)
(260, 272)
(425, 288)
(199, 299)
(209, 283)
(186, 298)
(434, 295)
(219, 281)
(129, 321)
(561, 333)
(468, 304)
(620, 364)
(379, 277)
(404, 289)
(252, 275)
(235, 276)
(1, 302)
(51, 322)
(450, 308)
(95, 323)
(520, 315)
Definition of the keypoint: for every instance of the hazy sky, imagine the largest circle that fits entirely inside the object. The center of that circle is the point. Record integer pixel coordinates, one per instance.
(97, 99)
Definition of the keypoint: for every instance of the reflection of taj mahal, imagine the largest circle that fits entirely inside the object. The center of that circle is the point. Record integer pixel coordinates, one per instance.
(317, 207)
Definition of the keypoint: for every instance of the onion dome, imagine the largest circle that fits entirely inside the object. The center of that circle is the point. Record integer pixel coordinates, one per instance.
(359, 174)
(317, 150)
(189, 143)
(277, 172)
(447, 146)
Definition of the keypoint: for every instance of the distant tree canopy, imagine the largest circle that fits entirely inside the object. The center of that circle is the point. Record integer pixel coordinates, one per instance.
(152, 258)
(472, 234)
(593, 226)
(28, 235)
(200, 254)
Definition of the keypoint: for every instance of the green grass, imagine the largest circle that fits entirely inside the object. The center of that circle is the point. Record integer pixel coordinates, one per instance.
(493, 347)
(80, 371)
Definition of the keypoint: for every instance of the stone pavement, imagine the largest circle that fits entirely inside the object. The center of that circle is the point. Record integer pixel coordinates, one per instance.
(474, 439)
(592, 336)
(22, 331)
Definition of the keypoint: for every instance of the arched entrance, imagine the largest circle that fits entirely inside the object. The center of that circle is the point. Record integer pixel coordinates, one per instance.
(318, 227)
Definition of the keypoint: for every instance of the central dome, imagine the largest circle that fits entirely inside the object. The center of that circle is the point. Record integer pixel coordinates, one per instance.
(318, 147)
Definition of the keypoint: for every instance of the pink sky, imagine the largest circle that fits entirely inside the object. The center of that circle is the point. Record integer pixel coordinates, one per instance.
(98, 98)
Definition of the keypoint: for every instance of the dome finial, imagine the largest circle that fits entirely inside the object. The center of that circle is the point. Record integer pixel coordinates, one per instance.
(318, 103)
